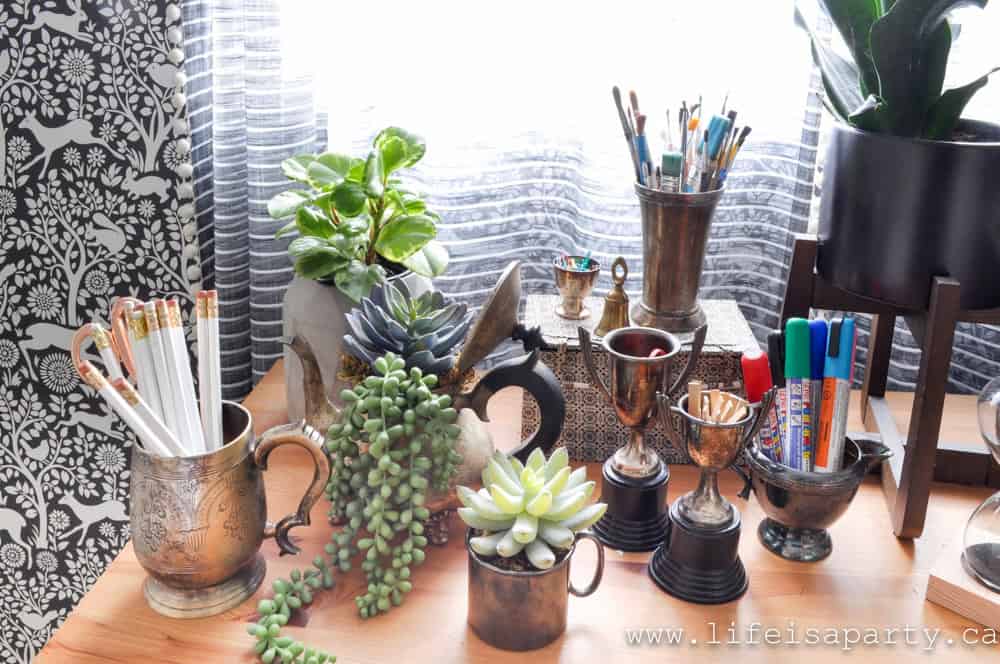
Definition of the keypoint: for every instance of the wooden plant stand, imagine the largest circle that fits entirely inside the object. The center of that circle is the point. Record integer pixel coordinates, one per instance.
(907, 476)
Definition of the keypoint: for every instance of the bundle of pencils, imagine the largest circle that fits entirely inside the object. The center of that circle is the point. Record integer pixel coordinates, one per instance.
(700, 162)
(161, 408)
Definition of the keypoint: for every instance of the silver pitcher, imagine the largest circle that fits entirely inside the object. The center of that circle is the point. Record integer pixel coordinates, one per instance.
(713, 447)
(675, 230)
(198, 522)
(636, 379)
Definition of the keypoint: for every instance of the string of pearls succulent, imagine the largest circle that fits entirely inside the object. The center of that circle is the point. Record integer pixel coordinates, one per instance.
(290, 594)
(395, 440)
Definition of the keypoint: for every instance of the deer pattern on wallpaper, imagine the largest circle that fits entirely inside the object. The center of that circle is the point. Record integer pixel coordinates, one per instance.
(95, 203)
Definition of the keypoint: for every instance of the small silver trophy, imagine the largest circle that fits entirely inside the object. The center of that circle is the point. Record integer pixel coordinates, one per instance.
(699, 562)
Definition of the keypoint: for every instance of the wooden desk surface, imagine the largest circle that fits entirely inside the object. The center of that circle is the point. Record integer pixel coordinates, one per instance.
(871, 581)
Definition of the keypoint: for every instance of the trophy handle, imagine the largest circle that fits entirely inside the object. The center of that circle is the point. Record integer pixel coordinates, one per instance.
(588, 361)
(664, 409)
(762, 410)
(737, 468)
(696, 345)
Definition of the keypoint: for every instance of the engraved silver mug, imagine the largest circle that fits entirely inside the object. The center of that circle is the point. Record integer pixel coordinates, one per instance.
(198, 522)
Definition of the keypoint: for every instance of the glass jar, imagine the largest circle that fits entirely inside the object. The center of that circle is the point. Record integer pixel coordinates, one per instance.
(981, 545)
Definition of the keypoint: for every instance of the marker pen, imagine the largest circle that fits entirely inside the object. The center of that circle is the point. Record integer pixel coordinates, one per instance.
(839, 363)
(817, 360)
(797, 379)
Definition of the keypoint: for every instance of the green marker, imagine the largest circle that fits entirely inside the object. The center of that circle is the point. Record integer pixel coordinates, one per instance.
(797, 382)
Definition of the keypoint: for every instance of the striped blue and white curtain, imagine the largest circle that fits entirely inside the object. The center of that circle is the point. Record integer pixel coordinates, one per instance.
(249, 108)
(525, 154)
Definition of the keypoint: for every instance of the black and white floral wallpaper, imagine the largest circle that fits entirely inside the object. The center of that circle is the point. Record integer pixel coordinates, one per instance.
(95, 203)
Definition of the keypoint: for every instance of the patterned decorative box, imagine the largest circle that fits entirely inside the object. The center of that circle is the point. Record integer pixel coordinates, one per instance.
(592, 432)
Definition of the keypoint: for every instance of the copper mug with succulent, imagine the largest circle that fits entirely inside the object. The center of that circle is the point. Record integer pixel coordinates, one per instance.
(524, 525)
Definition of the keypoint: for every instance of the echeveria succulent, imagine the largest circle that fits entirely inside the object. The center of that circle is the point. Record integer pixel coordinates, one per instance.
(423, 330)
(533, 507)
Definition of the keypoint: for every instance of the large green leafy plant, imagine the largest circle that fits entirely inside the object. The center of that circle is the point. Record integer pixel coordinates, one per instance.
(894, 81)
(355, 217)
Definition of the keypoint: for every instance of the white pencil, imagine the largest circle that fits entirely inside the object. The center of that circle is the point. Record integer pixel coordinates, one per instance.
(209, 370)
(149, 418)
(171, 327)
(162, 371)
(149, 387)
(90, 375)
(103, 342)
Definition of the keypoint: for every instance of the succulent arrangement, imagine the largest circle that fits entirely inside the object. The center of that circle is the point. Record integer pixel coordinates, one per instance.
(893, 83)
(355, 218)
(422, 330)
(535, 507)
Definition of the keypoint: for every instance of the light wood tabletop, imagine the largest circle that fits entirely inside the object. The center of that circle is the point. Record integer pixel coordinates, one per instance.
(872, 581)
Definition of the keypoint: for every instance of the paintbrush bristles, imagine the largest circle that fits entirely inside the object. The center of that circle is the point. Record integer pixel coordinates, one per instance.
(640, 124)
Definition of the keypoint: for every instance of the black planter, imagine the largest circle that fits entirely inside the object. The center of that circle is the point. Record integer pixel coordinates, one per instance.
(896, 212)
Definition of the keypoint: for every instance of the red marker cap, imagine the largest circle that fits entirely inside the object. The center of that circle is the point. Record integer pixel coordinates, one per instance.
(756, 375)
(657, 352)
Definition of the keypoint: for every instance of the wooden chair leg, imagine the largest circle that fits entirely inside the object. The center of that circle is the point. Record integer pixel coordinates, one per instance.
(910, 505)
(877, 362)
(801, 273)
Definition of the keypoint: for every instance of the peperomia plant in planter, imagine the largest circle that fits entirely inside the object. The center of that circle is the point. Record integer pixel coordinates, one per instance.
(356, 219)
(907, 192)
(523, 528)
(358, 226)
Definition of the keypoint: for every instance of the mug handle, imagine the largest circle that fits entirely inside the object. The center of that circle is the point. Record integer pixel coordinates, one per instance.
(309, 439)
(598, 573)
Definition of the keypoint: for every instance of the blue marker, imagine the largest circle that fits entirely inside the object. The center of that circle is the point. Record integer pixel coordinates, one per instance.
(839, 364)
(817, 359)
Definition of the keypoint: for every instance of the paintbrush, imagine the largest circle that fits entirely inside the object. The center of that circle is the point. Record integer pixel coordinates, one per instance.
(627, 129)
(682, 118)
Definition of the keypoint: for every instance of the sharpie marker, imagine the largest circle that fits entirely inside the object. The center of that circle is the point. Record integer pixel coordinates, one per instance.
(817, 361)
(776, 359)
(756, 382)
(839, 362)
(797, 379)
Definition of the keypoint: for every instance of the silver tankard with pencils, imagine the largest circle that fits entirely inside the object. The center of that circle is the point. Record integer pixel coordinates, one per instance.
(198, 508)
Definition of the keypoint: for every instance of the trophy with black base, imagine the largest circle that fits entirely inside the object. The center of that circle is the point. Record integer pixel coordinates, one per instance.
(641, 362)
(699, 561)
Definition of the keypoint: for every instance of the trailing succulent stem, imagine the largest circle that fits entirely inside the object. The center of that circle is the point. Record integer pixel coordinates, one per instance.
(290, 594)
(894, 81)
(536, 507)
(395, 440)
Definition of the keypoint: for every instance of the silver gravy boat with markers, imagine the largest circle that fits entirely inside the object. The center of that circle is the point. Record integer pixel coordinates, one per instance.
(198, 522)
